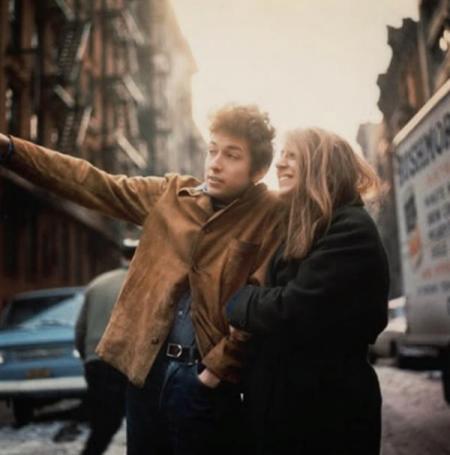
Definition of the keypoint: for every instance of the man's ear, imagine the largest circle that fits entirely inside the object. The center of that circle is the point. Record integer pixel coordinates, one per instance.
(259, 175)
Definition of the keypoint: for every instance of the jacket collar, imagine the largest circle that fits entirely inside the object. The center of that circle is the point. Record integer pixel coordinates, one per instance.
(205, 202)
(198, 190)
(193, 190)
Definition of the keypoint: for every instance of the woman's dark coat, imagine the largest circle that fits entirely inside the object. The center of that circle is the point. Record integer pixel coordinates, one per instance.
(309, 388)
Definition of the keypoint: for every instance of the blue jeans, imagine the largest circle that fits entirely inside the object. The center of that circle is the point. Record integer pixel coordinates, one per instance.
(174, 413)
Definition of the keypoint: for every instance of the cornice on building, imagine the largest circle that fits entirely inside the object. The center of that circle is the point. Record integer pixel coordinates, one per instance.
(403, 42)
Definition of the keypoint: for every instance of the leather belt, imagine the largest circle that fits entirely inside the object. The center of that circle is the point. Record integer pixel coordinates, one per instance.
(185, 354)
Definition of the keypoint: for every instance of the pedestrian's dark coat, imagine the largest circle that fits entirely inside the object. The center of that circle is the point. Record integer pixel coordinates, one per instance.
(101, 295)
(309, 388)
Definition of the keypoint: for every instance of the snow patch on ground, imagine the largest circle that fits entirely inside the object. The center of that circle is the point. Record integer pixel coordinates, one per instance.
(37, 439)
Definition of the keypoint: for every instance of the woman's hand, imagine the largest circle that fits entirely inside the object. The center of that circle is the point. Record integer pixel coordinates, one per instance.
(208, 379)
(239, 335)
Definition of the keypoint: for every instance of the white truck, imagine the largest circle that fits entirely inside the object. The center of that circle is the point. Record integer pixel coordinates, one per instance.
(422, 187)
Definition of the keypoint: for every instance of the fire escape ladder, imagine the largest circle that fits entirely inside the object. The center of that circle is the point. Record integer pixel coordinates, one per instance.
(74, 129)
(74, 44)
(64, 8)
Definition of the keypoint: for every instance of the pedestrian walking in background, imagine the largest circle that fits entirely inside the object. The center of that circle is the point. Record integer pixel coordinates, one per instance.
(310, 389)
(106, 385)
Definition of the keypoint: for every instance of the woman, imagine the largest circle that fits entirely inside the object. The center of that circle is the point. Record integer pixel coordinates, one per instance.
(309, 387)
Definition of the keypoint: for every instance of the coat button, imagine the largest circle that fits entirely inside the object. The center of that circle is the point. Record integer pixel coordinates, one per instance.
(155, 340)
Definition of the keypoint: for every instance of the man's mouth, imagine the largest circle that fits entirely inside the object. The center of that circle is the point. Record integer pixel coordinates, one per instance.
(213, 180)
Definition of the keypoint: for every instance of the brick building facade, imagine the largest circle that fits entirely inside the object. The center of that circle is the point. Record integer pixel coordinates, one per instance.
(104, 80)
(419, 66)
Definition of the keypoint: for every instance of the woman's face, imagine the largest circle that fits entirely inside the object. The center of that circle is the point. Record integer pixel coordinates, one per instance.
(287, 171)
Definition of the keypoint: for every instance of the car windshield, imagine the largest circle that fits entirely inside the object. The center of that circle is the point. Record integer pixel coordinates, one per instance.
(44, 311)
(396, 312)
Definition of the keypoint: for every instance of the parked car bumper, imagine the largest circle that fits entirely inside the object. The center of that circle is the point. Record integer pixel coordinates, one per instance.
(48, 387)
(418, 356)
(386, 344)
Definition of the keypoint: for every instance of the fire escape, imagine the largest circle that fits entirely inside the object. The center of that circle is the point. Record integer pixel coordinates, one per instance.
(75, 106)
(125, 87)
(160, 68)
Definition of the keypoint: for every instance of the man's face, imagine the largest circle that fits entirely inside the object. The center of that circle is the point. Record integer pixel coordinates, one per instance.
(228, 167)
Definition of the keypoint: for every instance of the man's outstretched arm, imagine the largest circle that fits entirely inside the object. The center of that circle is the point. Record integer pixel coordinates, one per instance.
(119, 196)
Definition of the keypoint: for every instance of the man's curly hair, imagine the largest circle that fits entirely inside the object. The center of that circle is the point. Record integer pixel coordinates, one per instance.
(250, 123)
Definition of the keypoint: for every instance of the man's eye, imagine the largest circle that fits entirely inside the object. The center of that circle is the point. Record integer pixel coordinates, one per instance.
(212, 151)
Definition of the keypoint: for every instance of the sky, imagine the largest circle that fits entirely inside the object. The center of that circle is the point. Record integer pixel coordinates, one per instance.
(306, 62)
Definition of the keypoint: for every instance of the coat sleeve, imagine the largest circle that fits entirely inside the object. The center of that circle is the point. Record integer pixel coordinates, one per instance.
(80, 330)
(342, 283)
(118, 196)
(227, 358)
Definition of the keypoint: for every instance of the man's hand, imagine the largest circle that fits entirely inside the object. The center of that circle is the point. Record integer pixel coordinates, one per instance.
(208, 379)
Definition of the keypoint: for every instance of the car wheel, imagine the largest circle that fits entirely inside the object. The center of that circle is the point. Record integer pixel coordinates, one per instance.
(372, 357)
(23, 412)
(402, 361)
(393, 350)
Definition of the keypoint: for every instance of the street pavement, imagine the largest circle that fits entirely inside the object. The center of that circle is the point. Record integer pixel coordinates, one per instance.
(416, 421)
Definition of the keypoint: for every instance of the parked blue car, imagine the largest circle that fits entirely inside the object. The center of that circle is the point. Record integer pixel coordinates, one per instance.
(38, 360)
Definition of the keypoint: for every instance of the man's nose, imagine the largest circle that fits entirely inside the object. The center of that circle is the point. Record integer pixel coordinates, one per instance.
(216, 162)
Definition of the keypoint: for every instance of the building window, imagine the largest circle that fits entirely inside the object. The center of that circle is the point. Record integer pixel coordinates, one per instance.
(34, 127)
(31, 249)
(12, 110)
(440, 46)
(10, 247)
(15, 25)
(48, 244)
(11, 224)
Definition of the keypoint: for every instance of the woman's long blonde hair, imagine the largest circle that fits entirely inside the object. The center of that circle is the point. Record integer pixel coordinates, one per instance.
(330, 175)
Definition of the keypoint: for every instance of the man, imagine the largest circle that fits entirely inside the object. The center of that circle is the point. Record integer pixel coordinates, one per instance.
(200, 242)
(106, 385)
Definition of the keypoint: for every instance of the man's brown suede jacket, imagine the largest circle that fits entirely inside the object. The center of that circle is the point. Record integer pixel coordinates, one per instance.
(184, 241)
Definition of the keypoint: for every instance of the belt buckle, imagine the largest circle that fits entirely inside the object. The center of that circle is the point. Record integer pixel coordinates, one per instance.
(174, 350)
